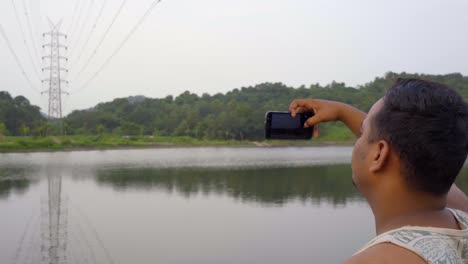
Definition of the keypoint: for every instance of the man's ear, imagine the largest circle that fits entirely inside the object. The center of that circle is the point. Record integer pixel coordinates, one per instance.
(380, 156)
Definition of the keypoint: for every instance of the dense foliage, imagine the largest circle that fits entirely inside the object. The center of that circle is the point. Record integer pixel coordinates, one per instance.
(238, 114)
(19, 117)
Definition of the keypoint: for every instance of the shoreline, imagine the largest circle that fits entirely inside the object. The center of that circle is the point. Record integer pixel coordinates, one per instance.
(166, 145)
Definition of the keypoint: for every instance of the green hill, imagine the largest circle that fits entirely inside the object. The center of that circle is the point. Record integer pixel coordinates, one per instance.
(236, 115)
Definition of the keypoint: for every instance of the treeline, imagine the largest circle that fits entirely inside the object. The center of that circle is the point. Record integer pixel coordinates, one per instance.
(19, 117)
(238, 114)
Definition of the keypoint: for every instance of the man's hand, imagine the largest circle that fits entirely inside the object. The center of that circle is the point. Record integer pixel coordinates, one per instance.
(326, 111)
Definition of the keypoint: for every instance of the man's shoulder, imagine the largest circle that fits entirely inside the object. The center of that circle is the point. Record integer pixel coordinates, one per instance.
(385, 253)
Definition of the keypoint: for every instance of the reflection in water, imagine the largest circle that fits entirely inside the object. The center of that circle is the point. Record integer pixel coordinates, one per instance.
(274, 186)
(55, 220)
(13, 180)
(331, 183)
(49, 237)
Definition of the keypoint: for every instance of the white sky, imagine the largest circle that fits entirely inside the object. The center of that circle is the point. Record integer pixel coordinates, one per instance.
(218, 45)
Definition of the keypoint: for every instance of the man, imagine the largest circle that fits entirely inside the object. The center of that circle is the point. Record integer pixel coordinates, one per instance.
(412, 144)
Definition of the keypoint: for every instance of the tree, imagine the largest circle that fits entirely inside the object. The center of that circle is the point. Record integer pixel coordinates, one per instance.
(3, 130)
(25, 130)
(131, 129)
(42, 129)
(100, 129)
(67, 130)
(17, 112)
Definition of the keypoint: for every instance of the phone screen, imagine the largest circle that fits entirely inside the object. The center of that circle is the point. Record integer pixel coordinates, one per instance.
(281, 125)
(285, 121)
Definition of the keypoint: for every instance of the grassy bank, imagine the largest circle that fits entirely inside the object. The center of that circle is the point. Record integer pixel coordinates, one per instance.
(58, 143)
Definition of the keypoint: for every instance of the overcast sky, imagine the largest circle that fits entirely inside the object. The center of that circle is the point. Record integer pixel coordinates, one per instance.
(217, 45)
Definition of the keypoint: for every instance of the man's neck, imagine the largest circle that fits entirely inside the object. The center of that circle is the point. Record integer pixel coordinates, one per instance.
(405, 209)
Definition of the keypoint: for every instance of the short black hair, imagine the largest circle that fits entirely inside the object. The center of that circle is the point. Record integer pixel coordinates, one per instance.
(426, 123)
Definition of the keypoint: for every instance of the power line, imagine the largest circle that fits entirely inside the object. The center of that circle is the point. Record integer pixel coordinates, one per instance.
(102, 39)
(17, 60)
(30, 27)
(74, 15)
(39, 11)
(116, 51)
(90, 34)
(80, 32)
(40, 25)
(20, 25)
(72, 33)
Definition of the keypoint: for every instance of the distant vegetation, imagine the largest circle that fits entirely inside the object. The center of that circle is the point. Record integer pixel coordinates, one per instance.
(18, 117)
(236, 115)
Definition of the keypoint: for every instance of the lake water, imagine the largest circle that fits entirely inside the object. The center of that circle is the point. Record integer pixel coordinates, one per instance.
(194, 205)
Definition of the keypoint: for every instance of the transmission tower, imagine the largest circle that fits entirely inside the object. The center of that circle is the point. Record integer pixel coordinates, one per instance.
(54, 225)
(55, 70)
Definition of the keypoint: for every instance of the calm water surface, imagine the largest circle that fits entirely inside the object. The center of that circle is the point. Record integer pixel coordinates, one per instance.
(196, 205)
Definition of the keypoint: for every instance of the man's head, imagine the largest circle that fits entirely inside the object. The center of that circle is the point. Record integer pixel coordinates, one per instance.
(419, 131)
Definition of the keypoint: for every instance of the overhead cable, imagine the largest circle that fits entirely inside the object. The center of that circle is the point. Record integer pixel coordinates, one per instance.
(83, 26)
(102, 39)
(10, 47)
(30, 27)
(74, 62)
(75, 10)
(23, 34)
(116, 51)
(78, 19)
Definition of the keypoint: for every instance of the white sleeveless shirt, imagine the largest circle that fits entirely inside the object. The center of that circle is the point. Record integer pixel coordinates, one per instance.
(434, 245)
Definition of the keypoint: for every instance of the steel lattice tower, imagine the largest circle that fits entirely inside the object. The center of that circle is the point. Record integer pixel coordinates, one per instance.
(54, 212)
(55, 69)
(54, 224)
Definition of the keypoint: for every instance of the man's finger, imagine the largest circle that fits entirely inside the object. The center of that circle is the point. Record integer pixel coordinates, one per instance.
(293, 107)
(300, 109)
(312, 121)
(306, 104)
(296, 104)
(316, 131)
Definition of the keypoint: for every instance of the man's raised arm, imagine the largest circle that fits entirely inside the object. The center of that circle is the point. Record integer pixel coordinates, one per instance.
(326, 111)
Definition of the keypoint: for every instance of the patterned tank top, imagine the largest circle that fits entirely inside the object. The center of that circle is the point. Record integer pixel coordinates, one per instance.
(434, 245)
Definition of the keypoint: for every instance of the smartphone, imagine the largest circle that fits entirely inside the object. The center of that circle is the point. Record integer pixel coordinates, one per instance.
(281, 125)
